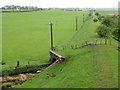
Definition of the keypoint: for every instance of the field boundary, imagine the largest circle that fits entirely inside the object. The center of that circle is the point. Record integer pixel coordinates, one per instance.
(86, 43)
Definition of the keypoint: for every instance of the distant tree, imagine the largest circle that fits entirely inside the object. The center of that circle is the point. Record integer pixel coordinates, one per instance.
(26, 7)
(49, 8)
(103, 31)
(40, 8)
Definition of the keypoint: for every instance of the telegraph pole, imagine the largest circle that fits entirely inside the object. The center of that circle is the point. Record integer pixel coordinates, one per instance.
(51, 36)
(76, 23)
(83, 18)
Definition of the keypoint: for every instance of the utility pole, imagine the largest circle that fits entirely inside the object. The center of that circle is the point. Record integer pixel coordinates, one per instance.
(76, 23)
(51, 36)
(83, 18)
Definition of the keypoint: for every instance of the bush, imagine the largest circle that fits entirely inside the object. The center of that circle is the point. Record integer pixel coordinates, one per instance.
(107, 21)
(90, 14)
(97, 14)
(103, 31)
(116, 34)
(95, 20)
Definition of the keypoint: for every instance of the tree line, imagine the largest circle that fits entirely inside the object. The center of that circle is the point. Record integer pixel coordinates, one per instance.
(16, 7)
(109, 26)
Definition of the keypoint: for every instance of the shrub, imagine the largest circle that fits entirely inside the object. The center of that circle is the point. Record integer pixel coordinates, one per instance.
(90, 14)
(107, 21)
(95, 20)
(103, 31)
(97, 14)
(116, 34)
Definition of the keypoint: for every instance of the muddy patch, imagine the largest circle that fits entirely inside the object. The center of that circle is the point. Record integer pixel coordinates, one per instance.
(12, 81)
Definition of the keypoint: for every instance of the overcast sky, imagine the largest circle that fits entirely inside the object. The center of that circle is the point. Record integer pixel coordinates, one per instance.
(63, 3)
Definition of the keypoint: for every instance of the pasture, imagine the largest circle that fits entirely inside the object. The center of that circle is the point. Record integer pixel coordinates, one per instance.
(26, 37)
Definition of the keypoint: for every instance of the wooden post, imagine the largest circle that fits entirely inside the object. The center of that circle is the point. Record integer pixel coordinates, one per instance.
(86, 42)
(101, 41)
(110, 41)
(82, 45)
(18, 63)
(76, 23)
(96, 42)
(51, 36)
(105, 41)
(63, 48)
(83, 18)
(28, 62)
(72, 46)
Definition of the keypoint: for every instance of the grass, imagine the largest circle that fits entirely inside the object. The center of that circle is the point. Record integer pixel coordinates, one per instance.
(88, 67)
(26, 37)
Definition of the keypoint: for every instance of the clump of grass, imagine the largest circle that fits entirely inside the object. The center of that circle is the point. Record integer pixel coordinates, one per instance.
(2, 63)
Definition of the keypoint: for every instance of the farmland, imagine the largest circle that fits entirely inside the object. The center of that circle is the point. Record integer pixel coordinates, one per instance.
(26, 37)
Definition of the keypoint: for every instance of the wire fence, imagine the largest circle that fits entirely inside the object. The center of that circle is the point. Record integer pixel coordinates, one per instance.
(87, 18)
(82, 45)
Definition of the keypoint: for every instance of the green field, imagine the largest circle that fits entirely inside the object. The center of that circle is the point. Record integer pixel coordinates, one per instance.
(86, 68)
(26, 37)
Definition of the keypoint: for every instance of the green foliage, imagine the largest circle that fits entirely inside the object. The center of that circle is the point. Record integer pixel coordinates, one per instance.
(99, 18)
(107, 21)
(95, 20)
(85, 68)
(116, 34)
(97, 14)
(25, 69)
(103, 31)
(90, 14)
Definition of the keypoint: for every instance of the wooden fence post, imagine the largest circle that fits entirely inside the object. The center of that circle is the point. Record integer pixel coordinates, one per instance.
(101, 41)
(75, 46)
(96, 42)
(18, 64)
(82, 45)
(110, 41)
(86, 42)
(105, 41)
(63, 48)
(72, 46)
(28, 62)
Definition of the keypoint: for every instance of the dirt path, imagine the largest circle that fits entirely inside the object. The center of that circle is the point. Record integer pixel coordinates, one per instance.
(103, 68)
